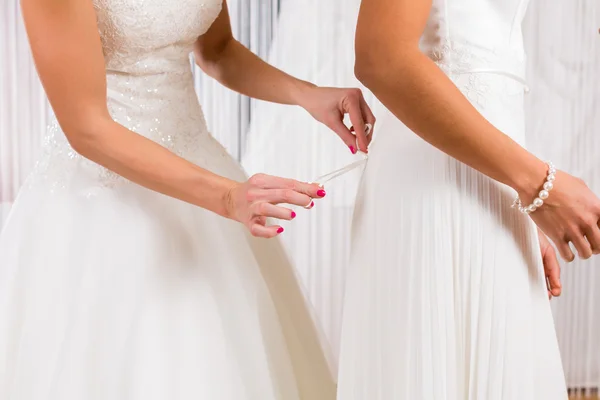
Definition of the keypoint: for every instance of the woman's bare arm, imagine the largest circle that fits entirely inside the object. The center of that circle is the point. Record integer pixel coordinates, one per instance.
(389, 62)
(68, 54)
(222, 57)
(430, 104)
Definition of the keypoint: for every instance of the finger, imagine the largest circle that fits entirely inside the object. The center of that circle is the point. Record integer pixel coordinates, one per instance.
(552, 271)
(562, 245)
(279, 196)
(310, 206)
(584, 250)
(312, 190)
(282, 196)
(593, 237)
(356, 117)
(368, 130)
(272, 211)
(344, 133)
(266, 232)
(368, 116)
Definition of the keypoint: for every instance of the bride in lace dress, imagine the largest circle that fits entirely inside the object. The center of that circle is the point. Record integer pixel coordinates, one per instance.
(126, 271)
(447, 294)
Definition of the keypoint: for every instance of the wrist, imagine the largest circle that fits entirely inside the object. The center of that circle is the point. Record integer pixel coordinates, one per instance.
(529, 182)
(302, 92)
(226, 199)
(213, 193)
(533, 183)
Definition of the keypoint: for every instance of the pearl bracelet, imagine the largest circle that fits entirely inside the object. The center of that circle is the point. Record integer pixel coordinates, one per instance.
(542, 195)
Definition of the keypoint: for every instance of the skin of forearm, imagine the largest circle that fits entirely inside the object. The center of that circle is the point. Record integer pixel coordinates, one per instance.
(242, 71)
(412, 87)
(151, 165)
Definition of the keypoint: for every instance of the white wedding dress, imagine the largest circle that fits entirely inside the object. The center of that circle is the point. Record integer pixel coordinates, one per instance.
(111, 291)
(446, 296)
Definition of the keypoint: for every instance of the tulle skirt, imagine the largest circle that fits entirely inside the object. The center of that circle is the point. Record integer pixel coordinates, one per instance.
(123, 293)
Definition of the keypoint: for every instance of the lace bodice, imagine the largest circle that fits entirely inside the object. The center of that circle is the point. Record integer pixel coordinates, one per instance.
(471, 39)
(146, 46)
(151, 36)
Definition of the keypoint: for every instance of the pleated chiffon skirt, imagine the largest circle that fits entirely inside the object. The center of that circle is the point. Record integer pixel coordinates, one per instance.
(446, 296)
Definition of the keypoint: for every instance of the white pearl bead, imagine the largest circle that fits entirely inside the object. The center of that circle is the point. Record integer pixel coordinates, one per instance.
(531, 208)
(544, 194)
(538, 202)
(550, 177)
(548, 186)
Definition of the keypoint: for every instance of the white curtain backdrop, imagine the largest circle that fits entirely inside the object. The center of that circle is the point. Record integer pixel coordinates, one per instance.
(24, 112)
(228, 113)
(314, 41)
(564, 126)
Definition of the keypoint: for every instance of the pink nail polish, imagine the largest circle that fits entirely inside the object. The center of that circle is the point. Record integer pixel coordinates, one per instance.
(293, 215)
(352, 149)
(321, 193)
(280, 230)
(312, 204)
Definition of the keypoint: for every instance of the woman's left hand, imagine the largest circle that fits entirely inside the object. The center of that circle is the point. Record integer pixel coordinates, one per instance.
(551, 266)
(329, 105)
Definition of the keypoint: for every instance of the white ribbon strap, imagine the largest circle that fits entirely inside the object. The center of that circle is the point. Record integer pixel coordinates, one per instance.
(344, 170)
(322, 180)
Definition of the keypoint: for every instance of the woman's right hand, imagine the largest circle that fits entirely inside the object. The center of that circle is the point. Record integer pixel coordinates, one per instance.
(571, 214)
(257, 199)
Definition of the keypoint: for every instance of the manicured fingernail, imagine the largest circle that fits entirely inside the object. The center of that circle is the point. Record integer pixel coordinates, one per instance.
(312, 204)
(321, 193)
(352, 149)
(280, 230)
(293, 215)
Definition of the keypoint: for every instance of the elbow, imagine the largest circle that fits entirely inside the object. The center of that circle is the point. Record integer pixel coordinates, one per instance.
(366, 69)
(207, 61)
(209, 57)
(84, 135)
(79, 141)
(202, 60)
(375, 67)
(362, 72)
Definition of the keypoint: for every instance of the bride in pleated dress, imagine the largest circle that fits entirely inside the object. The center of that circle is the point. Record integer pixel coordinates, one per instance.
(134, 263)
(448, 292)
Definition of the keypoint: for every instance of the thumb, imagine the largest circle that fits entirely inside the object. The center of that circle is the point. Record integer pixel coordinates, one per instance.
(552, 268)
